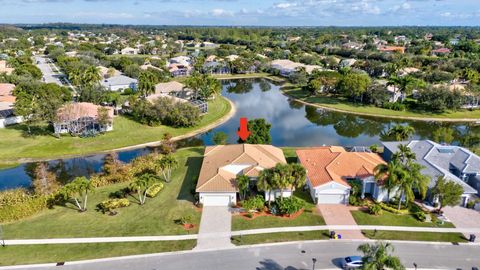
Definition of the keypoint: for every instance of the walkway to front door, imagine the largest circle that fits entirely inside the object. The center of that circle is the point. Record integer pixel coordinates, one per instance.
(339, 214)
(215, 228)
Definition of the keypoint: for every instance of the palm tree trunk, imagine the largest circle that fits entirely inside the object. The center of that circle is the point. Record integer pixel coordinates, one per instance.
(400, 200)
(85, 202)
(78, 204)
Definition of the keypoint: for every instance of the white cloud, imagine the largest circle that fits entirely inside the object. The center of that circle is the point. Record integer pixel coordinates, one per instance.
(218, 12)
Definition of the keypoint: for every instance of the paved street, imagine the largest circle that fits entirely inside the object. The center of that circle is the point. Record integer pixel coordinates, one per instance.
(289, 256)
(215, 228)
(49, 75)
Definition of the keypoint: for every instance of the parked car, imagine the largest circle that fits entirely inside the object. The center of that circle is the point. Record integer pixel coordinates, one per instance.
(352, 262)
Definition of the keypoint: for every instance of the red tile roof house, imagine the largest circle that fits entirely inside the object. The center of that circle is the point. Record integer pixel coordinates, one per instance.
(7, 100)
(80, 118)
(441, 51)
(223, 163)
(329, 170)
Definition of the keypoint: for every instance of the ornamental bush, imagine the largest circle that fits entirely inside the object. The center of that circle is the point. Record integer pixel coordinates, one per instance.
(110, 205)
(154, 190)
(420, 216)
(18, 203)
(290, 205)
(375, 210)
(393, 210)
(254, 204)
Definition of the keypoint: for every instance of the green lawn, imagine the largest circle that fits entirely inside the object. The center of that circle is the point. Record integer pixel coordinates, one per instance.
(14, 255)
(344, 105)
(14, 146)
(279, 237)
(308, 218)
(156, 217)
(416, 236)
(389, 219)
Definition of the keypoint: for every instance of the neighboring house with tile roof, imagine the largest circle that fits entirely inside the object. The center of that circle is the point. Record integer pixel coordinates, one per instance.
(223, 163)
(286, 67)
(330, 168)
(80, 118)
(119, 83)
(454, 163)
(7, 101)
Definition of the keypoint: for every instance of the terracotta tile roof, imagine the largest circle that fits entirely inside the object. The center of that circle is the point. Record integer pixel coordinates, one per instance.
(74, 111)
(392, 49)
(327, 164)
(216, 175)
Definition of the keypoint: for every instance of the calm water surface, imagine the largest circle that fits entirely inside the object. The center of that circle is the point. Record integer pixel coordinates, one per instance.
(293, 124)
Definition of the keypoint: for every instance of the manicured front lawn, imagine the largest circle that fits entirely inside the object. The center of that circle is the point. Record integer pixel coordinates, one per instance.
(416, 236)
(345, 105)
(33, 254)
(14, 146)
(389, 219)
(156, 217)
(309, 217)
(279, 237)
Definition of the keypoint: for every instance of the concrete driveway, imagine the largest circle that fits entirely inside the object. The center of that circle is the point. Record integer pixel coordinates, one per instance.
(339, 214)
(215, 228)
(462, 217)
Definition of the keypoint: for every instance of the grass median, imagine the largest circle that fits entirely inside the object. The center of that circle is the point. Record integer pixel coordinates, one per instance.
(34, 254)
(126, 132)
(415, 236)
(279, 237)
(389, 219)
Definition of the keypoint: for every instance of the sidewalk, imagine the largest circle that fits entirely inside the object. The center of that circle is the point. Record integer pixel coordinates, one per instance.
(236, 233)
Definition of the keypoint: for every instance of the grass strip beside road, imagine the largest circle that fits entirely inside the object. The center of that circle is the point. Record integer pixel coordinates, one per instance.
(279, 237)
(389, 219)
(126, 132)
(34, 254)
(416, 236)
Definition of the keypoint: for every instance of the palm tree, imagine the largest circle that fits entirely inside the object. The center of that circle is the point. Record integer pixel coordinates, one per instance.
(410, 179)
(265, 181)
(203, 85)
(166, 164)
(90, 76)
(378, 257)
(141, 185)
(298, 174)
(146, 83)
(404, 155)
(401, 133)
(243, 183)
(78, 190)
(387, 175)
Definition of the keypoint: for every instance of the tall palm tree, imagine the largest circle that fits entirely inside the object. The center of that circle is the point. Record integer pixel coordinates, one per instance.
(387, 175)
(410, 179)
(91, 76)
(146, 83)
(243, 182)
(265, 181)
(404, 155)
(378, 257)
(78, 189)
(299, 175)
(141, 185)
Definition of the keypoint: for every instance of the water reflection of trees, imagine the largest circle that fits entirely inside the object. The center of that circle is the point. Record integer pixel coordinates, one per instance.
(239, 86)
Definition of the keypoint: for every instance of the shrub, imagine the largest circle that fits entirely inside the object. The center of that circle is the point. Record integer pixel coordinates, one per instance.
(396, 106)
(154, 190)
(420, 216)
(290, 205)
(253, 204)
(18, 203)
(393, 210)
(110, 205)
(185, 220)
(375, 209)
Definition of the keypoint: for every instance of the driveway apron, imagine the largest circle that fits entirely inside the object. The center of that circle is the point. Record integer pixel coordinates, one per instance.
(463, 217)
(338, 214)
(215, 228)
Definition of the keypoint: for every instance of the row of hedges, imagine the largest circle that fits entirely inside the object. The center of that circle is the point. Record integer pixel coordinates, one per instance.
(393, 210)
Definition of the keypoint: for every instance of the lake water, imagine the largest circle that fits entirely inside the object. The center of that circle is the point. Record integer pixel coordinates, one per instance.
(293, 124)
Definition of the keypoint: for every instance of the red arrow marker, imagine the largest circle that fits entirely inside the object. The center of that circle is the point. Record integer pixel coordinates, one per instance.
(243, 132)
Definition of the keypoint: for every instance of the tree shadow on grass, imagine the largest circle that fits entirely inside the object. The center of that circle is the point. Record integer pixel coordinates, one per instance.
(34, 130)
(187, 190)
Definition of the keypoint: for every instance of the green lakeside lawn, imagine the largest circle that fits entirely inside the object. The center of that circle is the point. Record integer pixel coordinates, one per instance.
(279, 237)
(34, 254)
(126, 132)
(389, 219)
(156, 217)
(416, 236)
(345, 105)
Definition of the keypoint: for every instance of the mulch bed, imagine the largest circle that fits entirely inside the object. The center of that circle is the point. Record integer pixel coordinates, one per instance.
(188, 226)
(245, 215)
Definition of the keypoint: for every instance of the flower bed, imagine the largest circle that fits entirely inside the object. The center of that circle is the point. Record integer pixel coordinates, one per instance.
(250, 216)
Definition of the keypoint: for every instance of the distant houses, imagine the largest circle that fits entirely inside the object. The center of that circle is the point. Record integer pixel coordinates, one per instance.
(286, 67)
(83, 119)
(180, 66)
(4, 68)
(179, 93)
(129, 51)
(392, 49)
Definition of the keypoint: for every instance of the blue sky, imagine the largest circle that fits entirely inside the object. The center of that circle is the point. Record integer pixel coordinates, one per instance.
(245, 12)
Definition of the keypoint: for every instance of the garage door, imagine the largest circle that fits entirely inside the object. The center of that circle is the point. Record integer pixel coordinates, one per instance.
(216, 200)
(331, 198)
